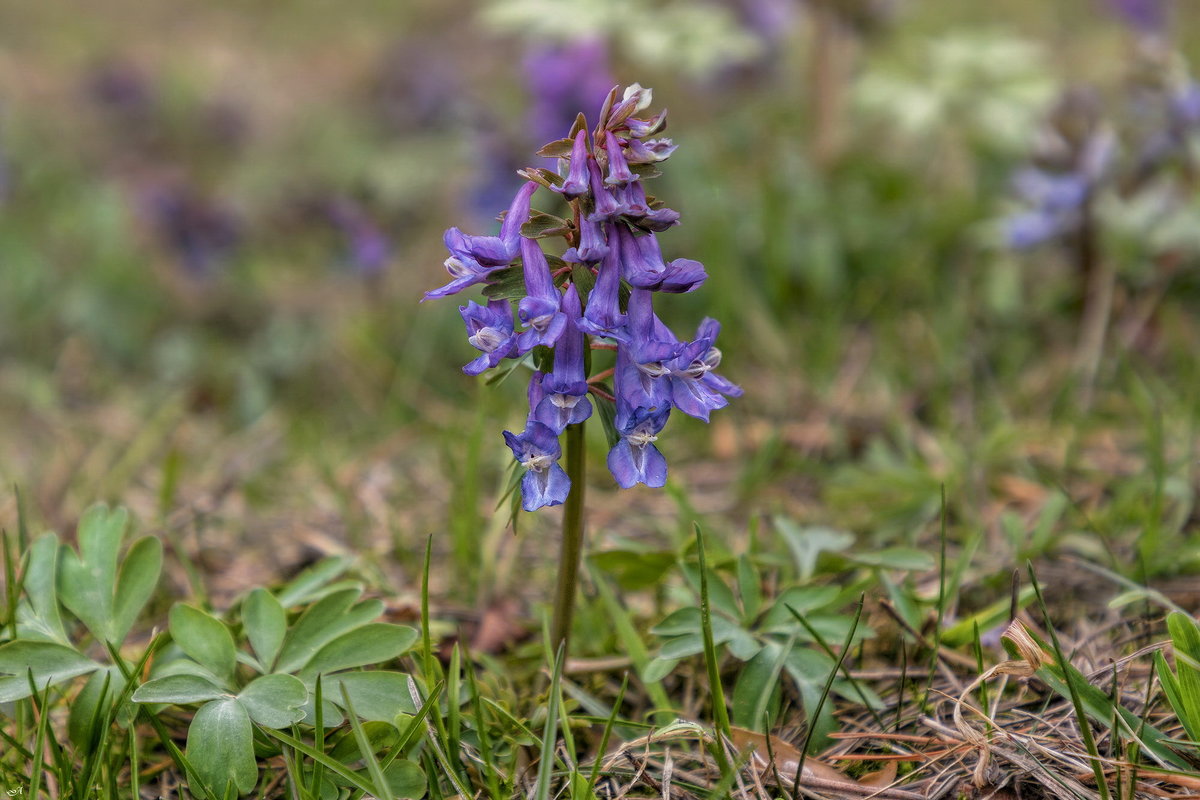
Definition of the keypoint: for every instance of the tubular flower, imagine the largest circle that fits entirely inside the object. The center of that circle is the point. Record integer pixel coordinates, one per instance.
(564, 390)
(537, 450)
(539, 309)
(473, 259)
(634, 459)
(489, 329)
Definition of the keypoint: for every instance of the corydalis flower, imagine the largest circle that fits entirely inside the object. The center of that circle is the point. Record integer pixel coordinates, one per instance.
(537, 450)
(473, 259)
(489, 329)
(564, 401)
(634, 459)
(539, 309)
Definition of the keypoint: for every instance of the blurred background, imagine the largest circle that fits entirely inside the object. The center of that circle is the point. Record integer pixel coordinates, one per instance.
(217, 220)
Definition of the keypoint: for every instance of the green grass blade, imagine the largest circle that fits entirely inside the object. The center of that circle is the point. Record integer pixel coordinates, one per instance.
(604, 737)
(812, 728)
(1085, 729)
(545, 773)
(710, 657)
(382, 789)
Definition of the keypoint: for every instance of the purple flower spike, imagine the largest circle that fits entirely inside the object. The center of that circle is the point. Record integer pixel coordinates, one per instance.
(619, 173)
(474, 258)
(603, 316)
(695, 389)
(489, 329)
(564, 401)
(635, 459)
(537, 449)
(576, 183)
(539, 309)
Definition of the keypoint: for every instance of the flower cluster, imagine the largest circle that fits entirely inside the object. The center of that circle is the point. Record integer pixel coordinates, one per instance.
(598, 295)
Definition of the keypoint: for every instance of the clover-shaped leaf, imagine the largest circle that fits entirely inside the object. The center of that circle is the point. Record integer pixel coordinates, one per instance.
(104, 596)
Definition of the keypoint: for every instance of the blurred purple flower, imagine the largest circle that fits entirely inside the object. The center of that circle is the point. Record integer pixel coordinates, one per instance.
(199, 231)
(367, 249)
(563, 78)
(121, 88)
(1143, 16)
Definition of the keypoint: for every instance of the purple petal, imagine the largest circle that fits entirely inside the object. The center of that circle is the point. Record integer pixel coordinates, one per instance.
(548, 487)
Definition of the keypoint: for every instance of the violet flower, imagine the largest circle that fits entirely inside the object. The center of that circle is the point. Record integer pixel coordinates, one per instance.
(576, 182)
(490, 330)
(634, 459)
(644, 268)
(564, 400)
(537, 450)
(695, 389)
(474, 258)
(619, 173)
(603, 316)
(539, 310)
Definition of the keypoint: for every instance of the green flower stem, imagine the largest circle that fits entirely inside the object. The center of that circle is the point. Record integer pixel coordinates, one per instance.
(572, 539)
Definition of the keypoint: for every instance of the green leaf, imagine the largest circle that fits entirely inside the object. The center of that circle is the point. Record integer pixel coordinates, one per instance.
(749, 588)
(1185, 641)
(371, 644)
(324, 621)
(903, 558)
(405, 778)
(608, 417)
(658, 668)
(505, 284)
(220, 746)
(39, 586)
(179, 690)
(559, 148)
(205, 638)
(266, 624)
(379, 696)
(50, 662)
(87, 580)
(719, 593)
(807, 544)
(311, 584)
(135, 583)
(804, 599)
(633, 569)
(275, 701)
(101, 687)
(541, 226)
(758, 689)
(1170, 687)
(380, 736)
